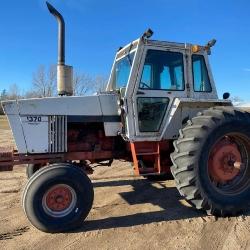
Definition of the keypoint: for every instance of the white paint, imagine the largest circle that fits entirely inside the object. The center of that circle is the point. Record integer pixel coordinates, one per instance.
(36, 134)
(182, 104)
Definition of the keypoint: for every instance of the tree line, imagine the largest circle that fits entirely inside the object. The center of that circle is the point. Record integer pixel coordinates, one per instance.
(44, 84)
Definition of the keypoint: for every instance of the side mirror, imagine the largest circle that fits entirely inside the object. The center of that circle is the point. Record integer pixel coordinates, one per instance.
(226, 95)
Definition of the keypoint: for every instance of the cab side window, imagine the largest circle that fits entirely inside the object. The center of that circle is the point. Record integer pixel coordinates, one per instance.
(200, 74)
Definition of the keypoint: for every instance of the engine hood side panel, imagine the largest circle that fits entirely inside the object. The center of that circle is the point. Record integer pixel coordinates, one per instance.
(29, 118)
(87, 105)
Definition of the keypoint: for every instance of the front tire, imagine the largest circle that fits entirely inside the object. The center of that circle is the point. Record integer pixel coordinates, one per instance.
(31, 169)
(211, 162)
(58, 198)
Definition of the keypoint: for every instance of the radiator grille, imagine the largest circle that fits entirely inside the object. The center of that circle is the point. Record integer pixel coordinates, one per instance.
(57, 134)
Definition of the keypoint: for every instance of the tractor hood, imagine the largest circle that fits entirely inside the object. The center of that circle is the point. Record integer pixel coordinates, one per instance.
(95, 106)
(40, 125)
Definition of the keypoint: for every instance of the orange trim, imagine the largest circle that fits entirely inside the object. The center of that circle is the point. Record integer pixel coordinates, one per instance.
(134, 156)
(157, 164)
(12, 158)
(146, 149)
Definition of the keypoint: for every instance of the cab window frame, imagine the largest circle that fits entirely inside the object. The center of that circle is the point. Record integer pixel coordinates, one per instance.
(152, 67)
(206, 70)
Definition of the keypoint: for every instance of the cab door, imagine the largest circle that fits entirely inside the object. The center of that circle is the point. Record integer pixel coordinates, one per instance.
(161, 78)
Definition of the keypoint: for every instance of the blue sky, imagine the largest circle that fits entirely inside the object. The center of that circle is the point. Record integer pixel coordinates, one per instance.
(95, 29)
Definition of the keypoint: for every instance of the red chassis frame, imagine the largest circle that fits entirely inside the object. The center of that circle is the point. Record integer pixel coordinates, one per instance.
(155, 154)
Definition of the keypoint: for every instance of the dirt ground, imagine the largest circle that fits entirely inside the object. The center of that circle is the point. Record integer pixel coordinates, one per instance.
(128, 213)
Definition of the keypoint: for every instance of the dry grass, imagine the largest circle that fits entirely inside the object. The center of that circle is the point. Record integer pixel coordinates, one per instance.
(3, 122)
(247, 109)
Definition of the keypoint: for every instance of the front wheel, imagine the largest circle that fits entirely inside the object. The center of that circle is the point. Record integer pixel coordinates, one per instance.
(58, 198)
(211, 162)
(31, 169)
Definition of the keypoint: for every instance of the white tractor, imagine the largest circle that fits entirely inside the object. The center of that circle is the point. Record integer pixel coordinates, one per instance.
(160, 110)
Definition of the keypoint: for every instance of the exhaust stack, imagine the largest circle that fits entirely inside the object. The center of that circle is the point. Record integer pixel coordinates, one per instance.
(64, 72)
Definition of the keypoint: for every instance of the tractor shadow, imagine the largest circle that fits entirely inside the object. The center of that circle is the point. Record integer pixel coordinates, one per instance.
(166, 199)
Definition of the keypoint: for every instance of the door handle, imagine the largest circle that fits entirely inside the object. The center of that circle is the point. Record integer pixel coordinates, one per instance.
(140, 93)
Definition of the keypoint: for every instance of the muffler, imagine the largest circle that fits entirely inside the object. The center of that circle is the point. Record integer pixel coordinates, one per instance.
(64, 72)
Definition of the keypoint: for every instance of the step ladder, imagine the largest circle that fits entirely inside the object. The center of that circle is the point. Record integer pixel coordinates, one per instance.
(146, 149)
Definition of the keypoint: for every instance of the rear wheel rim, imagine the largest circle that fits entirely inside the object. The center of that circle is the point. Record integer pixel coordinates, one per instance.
(228, 164)
(59, 200)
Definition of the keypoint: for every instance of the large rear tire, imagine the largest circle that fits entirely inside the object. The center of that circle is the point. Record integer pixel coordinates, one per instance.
(211, 162)
(58, 198)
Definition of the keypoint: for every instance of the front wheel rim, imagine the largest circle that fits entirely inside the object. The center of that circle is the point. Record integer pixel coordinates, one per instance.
(59, 201)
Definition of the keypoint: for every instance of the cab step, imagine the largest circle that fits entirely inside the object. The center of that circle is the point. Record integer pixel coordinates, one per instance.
(139, 149)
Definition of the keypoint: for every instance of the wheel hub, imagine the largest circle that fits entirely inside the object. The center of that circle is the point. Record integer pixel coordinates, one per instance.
(225, 161)
(59, 200)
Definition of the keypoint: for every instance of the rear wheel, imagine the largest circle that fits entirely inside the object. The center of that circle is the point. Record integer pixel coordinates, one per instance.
(58, 198)
(211, 162)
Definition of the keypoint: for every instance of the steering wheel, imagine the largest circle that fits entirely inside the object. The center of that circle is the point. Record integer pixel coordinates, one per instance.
(144, 85)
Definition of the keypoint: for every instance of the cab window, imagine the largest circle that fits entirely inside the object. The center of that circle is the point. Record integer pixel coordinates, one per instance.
(122, 70)
(200, 74)
(151, 111)
(163, 70)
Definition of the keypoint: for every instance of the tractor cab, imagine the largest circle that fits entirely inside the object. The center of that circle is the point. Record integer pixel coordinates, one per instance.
(163, 66)
(152, 77)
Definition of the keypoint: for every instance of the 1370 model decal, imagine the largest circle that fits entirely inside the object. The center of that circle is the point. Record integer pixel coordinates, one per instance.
(34, 119)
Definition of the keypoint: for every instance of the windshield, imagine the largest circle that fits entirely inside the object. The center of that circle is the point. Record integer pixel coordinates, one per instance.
(122, 70)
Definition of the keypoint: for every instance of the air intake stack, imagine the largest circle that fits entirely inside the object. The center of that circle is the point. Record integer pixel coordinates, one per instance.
(64, 72)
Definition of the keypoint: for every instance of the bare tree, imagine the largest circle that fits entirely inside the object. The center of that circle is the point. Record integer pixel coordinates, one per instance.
(82, 83)
(38, 81)
(31, 94)
(51, 80)
(3, 96)
(44, 83)
(236, 99)
(99, 83)
(13, 92)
